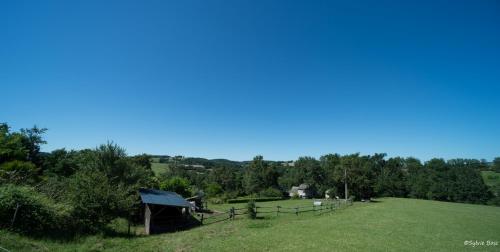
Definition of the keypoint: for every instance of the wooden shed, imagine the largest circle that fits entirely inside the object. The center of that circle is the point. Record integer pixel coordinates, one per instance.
(164, 211)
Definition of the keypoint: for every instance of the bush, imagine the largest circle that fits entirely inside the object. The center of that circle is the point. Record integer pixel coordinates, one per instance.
(96, 201)
(18, 172)
(295, 196)
(178, 185)
(36, 213)
(216, 201)
(251, 209)
(492, 176)
(213, 190)
(271, 192)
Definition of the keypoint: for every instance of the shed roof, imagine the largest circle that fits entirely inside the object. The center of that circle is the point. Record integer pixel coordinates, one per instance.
(158, 197)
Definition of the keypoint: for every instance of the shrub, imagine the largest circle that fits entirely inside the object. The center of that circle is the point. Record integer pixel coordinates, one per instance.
(271, 192)
(213, 190)
(295, 196)
(491, 176)
(216, 201)
(36, 213)
(243, 200)
(251, 209)
(96, 201)
(178, 185)
(18, 172)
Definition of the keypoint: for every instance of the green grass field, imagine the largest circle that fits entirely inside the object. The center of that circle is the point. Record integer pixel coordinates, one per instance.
(159, 168)
(387, 225)
(491, 178)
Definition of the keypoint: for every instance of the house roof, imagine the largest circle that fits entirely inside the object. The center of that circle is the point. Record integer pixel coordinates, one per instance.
(158, 197)
(303, 186)
(300, 187)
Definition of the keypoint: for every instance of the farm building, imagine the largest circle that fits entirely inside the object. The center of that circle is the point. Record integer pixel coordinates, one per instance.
(303, 191)
(164, 211)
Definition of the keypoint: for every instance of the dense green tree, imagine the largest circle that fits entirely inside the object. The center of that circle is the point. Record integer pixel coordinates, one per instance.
(96, 200)
(391, 181)
(33, 139)
(310, 172)
(496, 164)
(228, 178)
(440, 179)
(11, 145)
(60, 163)
(330, 164)
(418, 179)
(214, 189)
(18, 172)
(253, 178)
(176, 184)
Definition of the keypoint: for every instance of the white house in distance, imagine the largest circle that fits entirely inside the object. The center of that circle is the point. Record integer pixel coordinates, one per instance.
(302, 191)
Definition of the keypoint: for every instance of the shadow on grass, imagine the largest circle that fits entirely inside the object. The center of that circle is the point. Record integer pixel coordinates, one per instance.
(116, 229)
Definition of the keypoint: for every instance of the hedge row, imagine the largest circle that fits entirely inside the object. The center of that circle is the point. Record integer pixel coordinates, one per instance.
(35, 213)
(245, 200)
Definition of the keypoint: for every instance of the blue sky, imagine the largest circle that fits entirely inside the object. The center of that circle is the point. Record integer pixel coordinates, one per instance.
(233, 79)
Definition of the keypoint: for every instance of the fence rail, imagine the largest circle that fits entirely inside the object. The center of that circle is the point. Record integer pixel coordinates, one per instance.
(326, 206)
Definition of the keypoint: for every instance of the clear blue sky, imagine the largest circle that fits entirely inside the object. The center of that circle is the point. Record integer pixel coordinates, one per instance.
(233, 79)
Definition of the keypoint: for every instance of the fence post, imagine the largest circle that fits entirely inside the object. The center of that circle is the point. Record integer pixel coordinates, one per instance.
(231, 213)
(278, 211)
(15, 215)
(297, 211)
(201, 218)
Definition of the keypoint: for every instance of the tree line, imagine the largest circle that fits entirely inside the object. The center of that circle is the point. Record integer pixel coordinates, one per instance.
(81, 191)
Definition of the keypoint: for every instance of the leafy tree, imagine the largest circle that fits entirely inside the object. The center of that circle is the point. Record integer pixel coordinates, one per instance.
(60, 163)
(467, 182)
(496, 164)
(96, 200)
(11, 145)
(311, 173)
(36, 213)
(253, 179)
(228, 178)
(440, 179)
(32, 140)
(330, 163)
(18, 172)
(213, 190)
(418, 179)
(391, 181)
(176, 184)
(271, 192)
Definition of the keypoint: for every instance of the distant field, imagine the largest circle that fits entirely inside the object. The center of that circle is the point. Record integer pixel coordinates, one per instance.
(159, 168)
(388, 225)
(491, 178)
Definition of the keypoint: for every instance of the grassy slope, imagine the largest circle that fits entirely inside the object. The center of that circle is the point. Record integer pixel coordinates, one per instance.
(494, 180)
(159, 168)
(391, 224)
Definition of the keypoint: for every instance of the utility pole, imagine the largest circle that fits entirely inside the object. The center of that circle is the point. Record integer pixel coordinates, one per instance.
(345, 184)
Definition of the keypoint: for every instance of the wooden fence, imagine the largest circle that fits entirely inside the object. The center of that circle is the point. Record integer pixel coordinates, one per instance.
(260, 211)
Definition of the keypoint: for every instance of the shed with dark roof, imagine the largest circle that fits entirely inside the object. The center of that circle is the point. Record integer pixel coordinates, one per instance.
(164, 211)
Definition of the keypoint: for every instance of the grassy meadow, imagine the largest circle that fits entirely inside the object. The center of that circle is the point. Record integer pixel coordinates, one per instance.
(159, 168)
(491, 178)
(390, 224)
